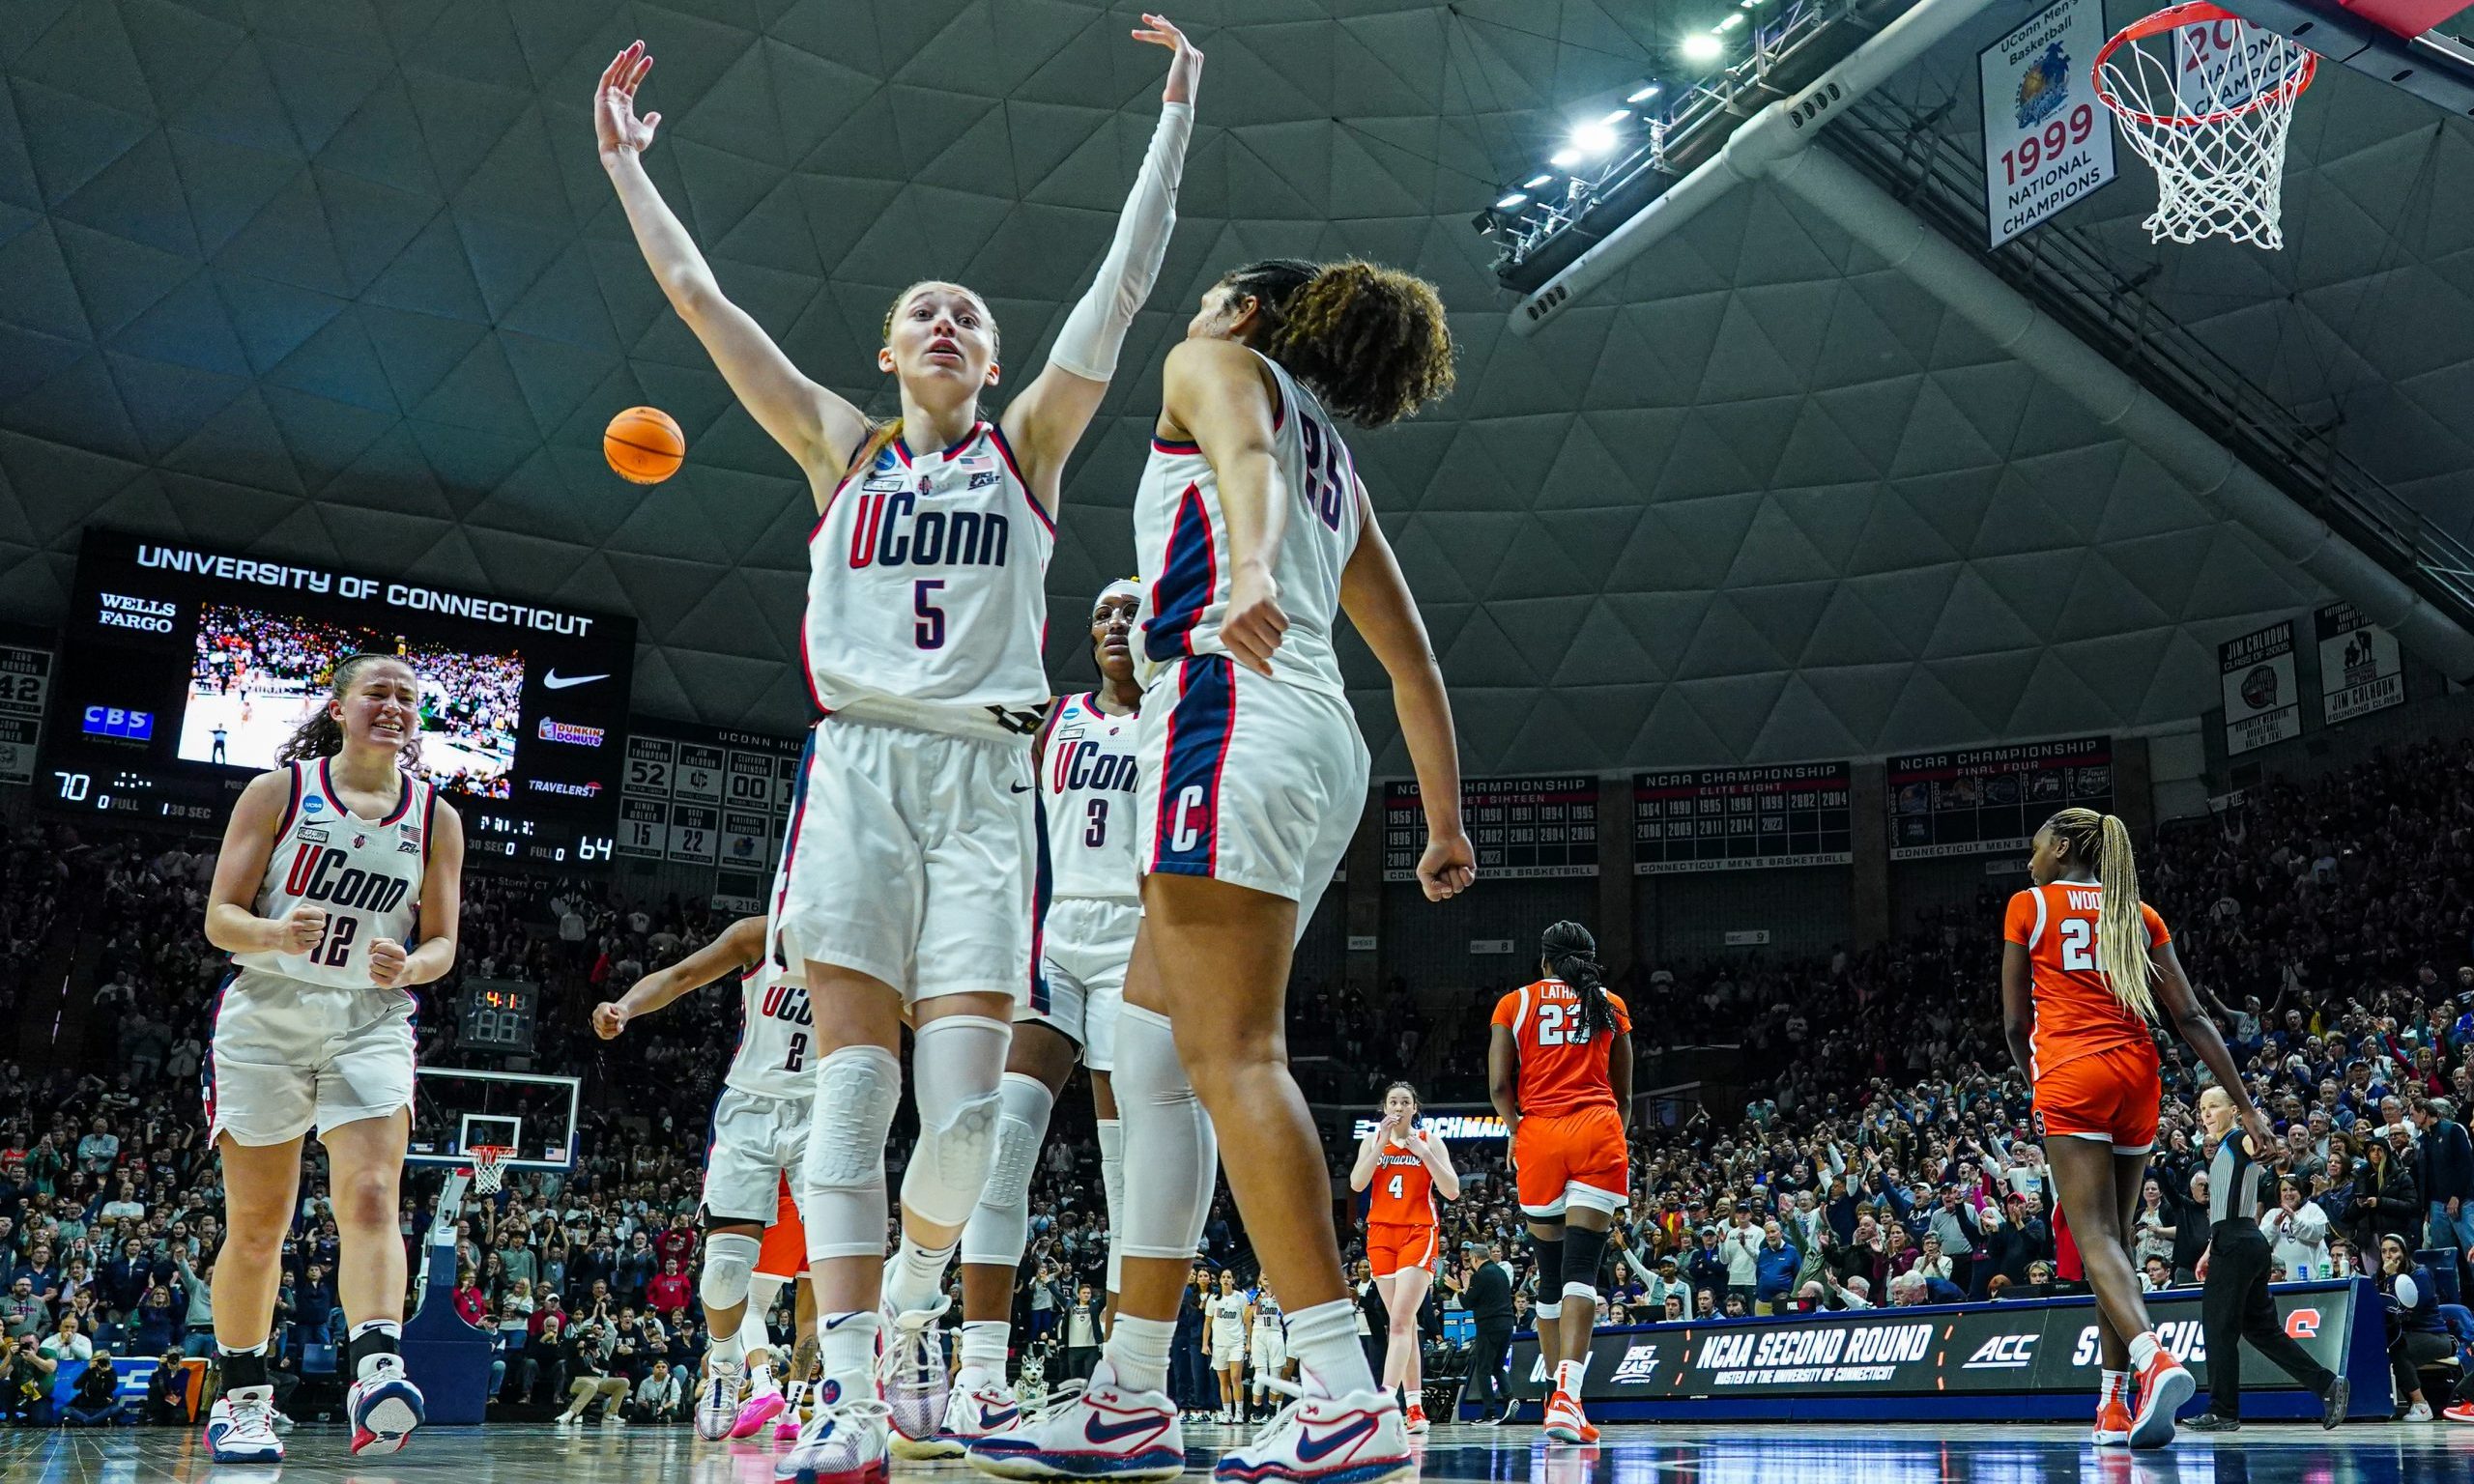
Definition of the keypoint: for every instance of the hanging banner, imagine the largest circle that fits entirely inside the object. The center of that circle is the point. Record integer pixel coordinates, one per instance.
(2046, 142)
(1740, 818)
(1522, 827)
(2262, 704)
(2360, 669)
(25, 686)
(1991, 800)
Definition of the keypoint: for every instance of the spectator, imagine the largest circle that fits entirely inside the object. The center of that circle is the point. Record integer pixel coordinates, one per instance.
(2448, 1175)
(1775, 1266)
(585, 1358)
(659, 1397)
(167, 1395)
(95, 1402)
(25, 1382)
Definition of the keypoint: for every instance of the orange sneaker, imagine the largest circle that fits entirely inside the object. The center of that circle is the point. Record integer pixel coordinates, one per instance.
(2163, 1386)
(1564, 1422)
(2112, 1424)
(1416, 1421)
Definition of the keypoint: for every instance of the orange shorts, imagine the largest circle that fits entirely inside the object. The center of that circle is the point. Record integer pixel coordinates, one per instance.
(1559, 1157)
(1391, 1246)
(785, 1253)
(2108, 1095)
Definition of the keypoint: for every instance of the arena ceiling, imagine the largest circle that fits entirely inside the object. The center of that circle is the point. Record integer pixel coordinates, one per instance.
(342, 281)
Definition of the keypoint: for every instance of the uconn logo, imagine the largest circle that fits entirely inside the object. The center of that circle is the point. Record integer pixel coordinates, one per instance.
(1084, 765)
(322, 873)
(891, 531)
(787, 1001)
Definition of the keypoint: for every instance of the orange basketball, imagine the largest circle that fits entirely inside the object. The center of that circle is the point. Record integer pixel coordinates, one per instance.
(644, 445)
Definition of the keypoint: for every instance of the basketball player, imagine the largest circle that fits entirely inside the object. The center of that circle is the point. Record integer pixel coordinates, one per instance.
(1267, 1355)
(1405, 1166)
(1086, 756)
(336, 893)
(1254, 533)
(908, 892)
(2084, 964)
(1559, 1067)
(1225, 1316)
(783, 1259)
(759, 1138)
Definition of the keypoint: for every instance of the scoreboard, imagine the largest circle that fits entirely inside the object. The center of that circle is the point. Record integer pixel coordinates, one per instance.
(1985, 800)
(709, 796)
(1520, 827)
(1740, 818)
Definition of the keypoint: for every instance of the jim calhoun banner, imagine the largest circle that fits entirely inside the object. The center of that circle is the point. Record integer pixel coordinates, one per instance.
(2261, 703)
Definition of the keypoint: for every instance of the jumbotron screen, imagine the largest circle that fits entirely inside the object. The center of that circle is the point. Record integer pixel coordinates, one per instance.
(185, 669)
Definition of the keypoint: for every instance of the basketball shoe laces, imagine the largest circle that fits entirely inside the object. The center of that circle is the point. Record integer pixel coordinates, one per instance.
(1286, 1418)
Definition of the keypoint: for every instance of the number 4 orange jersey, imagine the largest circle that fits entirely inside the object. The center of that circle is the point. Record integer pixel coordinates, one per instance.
(1562, 1066)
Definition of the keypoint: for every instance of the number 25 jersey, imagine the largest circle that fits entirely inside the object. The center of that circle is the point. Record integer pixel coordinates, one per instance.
(1563, 1066)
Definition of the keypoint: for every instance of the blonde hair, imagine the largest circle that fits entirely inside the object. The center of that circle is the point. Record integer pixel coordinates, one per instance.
(880, 435)
(2121, 928)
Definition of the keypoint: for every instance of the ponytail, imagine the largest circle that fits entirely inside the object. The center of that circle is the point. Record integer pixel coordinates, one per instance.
(2122, 928)
(1372, 342)
(321, 735)
(1572, 953)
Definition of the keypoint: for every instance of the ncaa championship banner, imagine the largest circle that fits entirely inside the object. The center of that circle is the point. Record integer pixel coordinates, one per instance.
(2009, 1358)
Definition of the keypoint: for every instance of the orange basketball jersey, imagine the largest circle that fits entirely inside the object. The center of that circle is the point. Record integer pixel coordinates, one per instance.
(1403, 1190)
(1562, 1066)
(2076, 1012)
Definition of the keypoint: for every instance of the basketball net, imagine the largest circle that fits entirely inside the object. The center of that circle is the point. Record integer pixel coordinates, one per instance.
(489, 1167)
(2208, 100)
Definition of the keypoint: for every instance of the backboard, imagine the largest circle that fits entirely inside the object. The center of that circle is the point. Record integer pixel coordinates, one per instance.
(456, 1108)
(2409, 44)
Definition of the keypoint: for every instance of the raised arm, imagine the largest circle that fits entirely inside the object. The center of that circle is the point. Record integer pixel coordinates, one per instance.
(1377, 600)
(813, 424)
(741, 945)
(1048, 419)
(1362, 1173)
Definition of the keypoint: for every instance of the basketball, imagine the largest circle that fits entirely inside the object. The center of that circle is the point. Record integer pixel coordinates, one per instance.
(644, 445)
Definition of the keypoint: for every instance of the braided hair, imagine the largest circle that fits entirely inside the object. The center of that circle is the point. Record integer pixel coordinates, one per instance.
(1571, 952)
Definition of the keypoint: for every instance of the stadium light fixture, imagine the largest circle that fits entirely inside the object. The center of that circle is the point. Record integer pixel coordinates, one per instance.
(1535, 181)
(1642, 94)
(1732, 22)
(1596, 137)
(1516, 198)
(1703, 46)
(1564, 159)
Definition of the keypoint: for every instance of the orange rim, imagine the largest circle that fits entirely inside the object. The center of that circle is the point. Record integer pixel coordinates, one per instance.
(2173, 18)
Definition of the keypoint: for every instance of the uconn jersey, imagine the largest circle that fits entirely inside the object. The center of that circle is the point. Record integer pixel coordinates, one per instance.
(777, 1032)
(1089, 768)
(925, 587)
(365, 873)
(761, 1117)
(305, 1041)
(1246, 780)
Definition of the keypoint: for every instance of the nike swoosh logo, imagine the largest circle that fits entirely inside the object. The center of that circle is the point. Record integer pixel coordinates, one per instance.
(1310, 1448)
(1113, 1432)
(1000, 1418)
(1019, 787)
(559, 682)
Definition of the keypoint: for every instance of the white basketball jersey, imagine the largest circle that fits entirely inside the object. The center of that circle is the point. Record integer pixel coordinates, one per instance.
(365, 874)
(1087, 790)
(925, 586)
(1182, 541)
(775, 1056)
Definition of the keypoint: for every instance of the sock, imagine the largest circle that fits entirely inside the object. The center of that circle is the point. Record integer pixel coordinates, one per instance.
(2143, 1349)
(2113, 1387)
(985, 1342)
(916, 1277)
(1569, 1374)
(732, 1351)
(759, 1373)
(244, 1373)
(1137, 1352)
(375, 1346)
(849, 1345)
(1323, 1337)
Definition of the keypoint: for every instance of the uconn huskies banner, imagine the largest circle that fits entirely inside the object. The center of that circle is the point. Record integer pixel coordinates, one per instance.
(2023, 1358)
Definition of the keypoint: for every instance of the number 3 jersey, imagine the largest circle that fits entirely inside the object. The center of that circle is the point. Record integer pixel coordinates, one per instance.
(365, 873)
(1087, 790)
(1563, 1066)
(776, 1035)
(926, 589)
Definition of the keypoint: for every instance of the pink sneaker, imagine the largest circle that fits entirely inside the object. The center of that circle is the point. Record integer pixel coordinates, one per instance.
(761, 1408)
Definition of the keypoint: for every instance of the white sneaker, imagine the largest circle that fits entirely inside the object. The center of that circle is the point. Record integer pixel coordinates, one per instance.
(384, 1407)
(567, 1419)
(911, 1376)
(1099, 1431)
(843, 1444)
(243, 1432)
(1325, 1439)
(717, 1409)
(984, 1407)
(2419, 1412)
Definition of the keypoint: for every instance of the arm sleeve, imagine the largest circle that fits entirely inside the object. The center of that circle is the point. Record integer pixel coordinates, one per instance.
(1095, 331)
(2156, 932)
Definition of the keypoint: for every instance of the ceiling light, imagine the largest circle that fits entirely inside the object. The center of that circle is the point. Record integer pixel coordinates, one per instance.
(1535, 181)
(1642, 94)
(1732, 22)
(1516, 198)
(1597, 137)
(1564, 160)
(1703, 46)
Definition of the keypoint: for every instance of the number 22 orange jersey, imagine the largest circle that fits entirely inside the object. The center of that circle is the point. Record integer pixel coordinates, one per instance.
(1562, 1066)
(2076, 1012)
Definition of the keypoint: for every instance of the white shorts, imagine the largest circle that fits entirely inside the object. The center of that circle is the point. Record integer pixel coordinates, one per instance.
(1268, 1351)
(755, 1142)
(910, 857)
(1248, 781)
(286, 1057)
(1083, 949)
(1223, 1356)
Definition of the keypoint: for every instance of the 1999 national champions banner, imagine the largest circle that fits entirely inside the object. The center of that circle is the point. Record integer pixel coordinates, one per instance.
(2027, 1347)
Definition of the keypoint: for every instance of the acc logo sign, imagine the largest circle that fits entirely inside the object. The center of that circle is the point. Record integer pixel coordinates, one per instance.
(2003, 1353)
(1639, 1363)
(2302, 1324)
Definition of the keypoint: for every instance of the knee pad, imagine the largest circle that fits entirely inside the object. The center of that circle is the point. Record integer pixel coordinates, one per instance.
(842, 1181)
(957, 1065)
(730, 1262)
(1549, 1256)
(1113, 1186)
(1171, 1154)
(1000, 1225)
(1584, 1253)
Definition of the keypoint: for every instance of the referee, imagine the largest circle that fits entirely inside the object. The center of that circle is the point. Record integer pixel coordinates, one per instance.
(2234, 1304)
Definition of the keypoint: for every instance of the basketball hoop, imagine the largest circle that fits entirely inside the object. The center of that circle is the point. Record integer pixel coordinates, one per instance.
(489, 1166)
(2207, 98)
